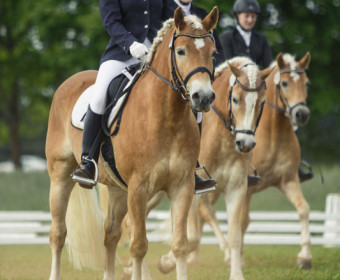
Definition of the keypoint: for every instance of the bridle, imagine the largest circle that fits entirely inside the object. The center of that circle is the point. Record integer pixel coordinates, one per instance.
(231, 126)
(180, 84)
(283, 99)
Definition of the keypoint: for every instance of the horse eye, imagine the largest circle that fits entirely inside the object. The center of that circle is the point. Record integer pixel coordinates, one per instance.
(284, 83)
(235, 101)
(180, 52)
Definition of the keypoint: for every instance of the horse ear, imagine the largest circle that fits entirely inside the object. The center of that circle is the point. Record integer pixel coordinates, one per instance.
(304, 62)
(280, 61)
(266, 72)
(237, 72)
(179, 18)
(210, 21)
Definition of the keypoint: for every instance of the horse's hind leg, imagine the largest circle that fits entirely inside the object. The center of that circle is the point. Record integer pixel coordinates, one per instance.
(60, 190)
(117, 208)
(292, 190)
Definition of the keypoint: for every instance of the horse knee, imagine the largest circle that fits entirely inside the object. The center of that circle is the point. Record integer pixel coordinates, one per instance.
(138, 248)
(57, 236)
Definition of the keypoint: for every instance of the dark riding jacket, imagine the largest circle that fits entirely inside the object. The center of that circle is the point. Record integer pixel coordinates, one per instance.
(127, 21)
(259, 50)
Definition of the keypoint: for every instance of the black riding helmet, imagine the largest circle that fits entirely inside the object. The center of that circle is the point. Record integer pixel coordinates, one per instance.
(246, 6)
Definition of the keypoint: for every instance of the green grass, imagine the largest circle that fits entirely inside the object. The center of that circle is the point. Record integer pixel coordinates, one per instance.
(29, 191)
(261, 263)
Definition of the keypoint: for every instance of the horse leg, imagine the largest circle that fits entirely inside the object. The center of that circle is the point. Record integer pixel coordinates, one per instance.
(60, 191)
(117, 208)
(292, 190)
(180, 202)
(245, 220)
(234, 198)
(137, 200)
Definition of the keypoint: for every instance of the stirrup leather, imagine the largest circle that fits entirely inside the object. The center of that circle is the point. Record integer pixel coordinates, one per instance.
(87, 181)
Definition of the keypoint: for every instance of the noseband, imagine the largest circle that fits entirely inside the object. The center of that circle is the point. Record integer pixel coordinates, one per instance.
(231, 126)
(283, 99)
(180, 84)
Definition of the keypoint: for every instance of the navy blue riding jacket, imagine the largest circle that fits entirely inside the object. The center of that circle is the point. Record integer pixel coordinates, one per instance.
(259, 50)
(127, 21)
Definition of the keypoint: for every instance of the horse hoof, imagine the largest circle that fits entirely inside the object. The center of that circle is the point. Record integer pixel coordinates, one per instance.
(165, 265)
(304, 263)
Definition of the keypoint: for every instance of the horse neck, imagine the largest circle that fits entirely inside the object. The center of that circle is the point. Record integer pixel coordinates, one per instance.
(272, 118)
(166, 104)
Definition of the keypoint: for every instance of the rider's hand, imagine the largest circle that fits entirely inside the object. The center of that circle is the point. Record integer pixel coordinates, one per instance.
(138, 50)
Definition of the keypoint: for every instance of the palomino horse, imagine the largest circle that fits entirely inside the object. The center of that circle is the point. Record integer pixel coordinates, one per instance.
(227, 139)
(156, 148)
(277, 154)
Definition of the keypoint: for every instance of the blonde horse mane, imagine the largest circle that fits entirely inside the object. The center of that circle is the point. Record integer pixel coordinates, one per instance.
(238, 61)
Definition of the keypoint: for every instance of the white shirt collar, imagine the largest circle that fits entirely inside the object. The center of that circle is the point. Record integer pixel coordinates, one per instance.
(246, 35)
(185, 8)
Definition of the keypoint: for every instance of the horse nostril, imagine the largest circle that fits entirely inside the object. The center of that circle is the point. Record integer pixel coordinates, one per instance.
(212, 97)
(240, 144)
(252, 145)
(195, 97)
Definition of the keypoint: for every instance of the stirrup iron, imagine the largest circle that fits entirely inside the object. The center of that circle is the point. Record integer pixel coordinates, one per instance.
(87, 181)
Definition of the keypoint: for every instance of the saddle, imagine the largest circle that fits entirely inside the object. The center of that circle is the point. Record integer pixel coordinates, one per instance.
(119, 86)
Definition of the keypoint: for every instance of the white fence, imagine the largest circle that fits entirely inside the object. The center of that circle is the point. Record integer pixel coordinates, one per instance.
(32, 227)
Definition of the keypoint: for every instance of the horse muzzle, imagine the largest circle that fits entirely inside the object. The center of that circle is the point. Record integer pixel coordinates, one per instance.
(300, 115)
(201, 101)
(244, 143)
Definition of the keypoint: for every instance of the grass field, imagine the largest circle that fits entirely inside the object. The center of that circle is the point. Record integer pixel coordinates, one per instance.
(29, 191)
(262, 263)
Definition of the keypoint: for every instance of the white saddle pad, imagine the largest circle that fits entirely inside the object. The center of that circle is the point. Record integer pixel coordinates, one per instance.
(80, 108)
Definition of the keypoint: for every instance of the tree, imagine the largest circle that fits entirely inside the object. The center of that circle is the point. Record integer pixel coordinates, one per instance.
(41, 44)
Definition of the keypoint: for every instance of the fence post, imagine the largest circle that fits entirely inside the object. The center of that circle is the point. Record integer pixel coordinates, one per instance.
(332, 217)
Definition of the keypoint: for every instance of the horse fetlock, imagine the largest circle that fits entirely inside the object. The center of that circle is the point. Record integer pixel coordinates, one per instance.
(166, 264)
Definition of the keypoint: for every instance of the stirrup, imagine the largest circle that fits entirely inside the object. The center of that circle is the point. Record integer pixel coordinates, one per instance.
(87, 181)
(202, 166)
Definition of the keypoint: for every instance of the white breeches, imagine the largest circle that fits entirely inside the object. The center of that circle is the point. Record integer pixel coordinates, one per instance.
(107, 71)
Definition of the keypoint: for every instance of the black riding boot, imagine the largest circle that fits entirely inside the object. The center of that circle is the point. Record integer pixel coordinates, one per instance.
(305, 175)
(203, 185)
(84, 175)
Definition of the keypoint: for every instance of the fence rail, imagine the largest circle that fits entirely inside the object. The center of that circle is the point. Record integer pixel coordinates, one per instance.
(32, 227)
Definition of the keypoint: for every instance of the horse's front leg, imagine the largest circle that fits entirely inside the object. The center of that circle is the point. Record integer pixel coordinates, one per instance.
(180, 202)
(137, 200)
(117, 208)
(60, 191)
(234, 198)
(292, 190)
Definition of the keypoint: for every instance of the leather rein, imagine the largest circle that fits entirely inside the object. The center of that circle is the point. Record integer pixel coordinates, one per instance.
(180, 84)
(283, 99)
(231, 125)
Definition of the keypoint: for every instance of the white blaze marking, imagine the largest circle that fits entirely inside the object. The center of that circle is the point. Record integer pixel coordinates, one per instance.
(250, 109)
(199, 43)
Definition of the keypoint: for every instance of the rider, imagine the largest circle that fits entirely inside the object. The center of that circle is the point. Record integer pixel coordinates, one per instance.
(243, 40)
(132, 26)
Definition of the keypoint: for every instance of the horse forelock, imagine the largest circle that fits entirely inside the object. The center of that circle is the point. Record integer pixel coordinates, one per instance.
(290, 60)
(194, 22)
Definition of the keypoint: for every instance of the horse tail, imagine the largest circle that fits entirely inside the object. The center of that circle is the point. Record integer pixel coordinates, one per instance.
(85, 230)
